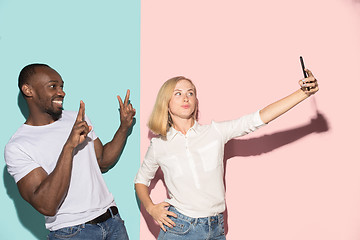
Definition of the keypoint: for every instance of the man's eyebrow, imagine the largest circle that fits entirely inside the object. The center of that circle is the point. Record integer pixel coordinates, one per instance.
(53, 81)
(62, 82)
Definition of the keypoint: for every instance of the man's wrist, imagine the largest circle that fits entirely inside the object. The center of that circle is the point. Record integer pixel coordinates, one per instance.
(68, 147)
(123, 128)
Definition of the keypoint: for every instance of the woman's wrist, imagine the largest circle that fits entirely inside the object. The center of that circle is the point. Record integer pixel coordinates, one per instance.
(149, 207)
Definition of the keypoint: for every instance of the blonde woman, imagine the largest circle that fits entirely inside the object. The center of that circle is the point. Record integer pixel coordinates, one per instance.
(191, 158)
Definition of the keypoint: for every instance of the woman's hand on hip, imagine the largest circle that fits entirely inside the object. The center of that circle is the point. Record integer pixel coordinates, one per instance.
(160, 214)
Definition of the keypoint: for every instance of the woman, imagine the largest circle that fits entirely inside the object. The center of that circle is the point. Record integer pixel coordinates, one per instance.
(191, 158)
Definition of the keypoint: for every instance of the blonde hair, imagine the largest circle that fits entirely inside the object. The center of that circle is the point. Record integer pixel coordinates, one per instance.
(160, 120)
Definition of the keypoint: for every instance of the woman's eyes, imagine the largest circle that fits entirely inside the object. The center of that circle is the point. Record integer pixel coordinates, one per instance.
(190, 94)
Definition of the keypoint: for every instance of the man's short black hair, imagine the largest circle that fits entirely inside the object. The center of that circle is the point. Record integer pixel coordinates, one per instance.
(27, 72)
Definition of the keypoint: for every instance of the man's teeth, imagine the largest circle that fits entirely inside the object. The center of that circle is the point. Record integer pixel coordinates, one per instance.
(58, 102)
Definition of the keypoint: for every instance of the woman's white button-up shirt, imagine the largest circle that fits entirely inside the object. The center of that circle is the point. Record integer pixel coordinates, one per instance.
(193, 164)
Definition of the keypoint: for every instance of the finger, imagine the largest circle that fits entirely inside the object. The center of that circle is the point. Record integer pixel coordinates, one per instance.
(133, 110)
(303, 83)
(127, 97)
(171, 214)
(81, 112)
(312, 85)
(315, 88)
(130, 108)
(168, 222)
(83, 128)
(87, 128)
(164, 204)
(120, 102)
(162, 226)
(310, 74)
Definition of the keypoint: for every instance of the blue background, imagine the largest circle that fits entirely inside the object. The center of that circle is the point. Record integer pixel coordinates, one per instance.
(95, 46)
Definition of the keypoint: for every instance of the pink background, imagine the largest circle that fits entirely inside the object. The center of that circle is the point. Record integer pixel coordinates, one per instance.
(297, 178)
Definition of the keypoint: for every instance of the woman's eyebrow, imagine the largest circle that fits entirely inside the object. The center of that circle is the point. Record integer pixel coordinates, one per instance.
(179, 89)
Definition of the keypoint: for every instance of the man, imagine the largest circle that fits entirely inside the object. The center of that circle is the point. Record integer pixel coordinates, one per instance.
(56, 160)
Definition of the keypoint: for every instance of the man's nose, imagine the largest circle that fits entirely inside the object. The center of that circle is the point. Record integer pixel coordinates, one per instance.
(61, 92)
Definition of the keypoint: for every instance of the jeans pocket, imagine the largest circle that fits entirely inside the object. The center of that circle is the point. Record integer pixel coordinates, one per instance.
(182, 226)
(67, 232)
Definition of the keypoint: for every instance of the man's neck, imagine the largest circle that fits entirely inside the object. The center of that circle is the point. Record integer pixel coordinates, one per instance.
(40, 119)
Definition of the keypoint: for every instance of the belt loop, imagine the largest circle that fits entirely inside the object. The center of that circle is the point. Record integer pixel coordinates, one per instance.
(112, 215)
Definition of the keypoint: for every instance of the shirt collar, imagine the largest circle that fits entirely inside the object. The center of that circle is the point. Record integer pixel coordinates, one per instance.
(173, 132)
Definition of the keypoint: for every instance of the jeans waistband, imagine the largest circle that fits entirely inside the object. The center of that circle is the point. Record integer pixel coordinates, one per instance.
(204, 220)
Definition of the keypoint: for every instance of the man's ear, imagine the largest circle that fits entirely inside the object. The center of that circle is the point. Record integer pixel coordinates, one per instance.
(27, 90)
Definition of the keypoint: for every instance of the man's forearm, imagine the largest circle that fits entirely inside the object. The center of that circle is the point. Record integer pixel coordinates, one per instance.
(113, 148)
(52, 189)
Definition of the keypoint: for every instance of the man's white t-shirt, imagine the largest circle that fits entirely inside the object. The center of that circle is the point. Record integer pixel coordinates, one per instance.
(40, 146)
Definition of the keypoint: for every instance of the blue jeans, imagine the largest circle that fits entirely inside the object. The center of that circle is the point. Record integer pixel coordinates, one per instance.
(188, 228)
(111, 229)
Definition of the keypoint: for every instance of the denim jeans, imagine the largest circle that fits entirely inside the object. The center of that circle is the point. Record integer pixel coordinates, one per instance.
(111, 229)
(187, 228)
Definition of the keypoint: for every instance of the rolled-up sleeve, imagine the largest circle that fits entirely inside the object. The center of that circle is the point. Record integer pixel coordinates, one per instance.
(148, 168)
(239, 127)
(19, 164)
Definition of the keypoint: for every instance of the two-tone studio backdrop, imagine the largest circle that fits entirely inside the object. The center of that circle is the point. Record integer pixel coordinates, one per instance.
(296, 178)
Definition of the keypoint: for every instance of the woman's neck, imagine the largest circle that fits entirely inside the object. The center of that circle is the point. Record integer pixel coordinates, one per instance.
(183, 125)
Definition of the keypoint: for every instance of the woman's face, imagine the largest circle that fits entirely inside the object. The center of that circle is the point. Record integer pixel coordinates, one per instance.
(183, 100)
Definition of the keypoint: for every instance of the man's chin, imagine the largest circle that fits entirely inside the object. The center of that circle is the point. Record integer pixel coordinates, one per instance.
(56, 115)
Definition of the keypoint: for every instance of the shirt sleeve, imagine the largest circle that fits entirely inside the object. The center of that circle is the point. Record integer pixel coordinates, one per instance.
(19, 164)
(239, 127)
(148, 168)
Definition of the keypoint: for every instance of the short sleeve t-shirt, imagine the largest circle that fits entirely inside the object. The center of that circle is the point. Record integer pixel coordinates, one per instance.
(40, 146)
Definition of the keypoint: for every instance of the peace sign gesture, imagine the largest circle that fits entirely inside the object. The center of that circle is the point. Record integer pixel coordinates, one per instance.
(80, 129)
(127, 112)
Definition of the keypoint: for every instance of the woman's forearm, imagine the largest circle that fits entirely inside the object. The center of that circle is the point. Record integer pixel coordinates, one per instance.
(280, 107)
(142, 192)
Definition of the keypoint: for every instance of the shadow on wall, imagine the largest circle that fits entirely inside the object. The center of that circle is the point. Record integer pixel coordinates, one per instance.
(23, 105)
(268, 143)
(244, 148)
(31, 219)
(153, 227)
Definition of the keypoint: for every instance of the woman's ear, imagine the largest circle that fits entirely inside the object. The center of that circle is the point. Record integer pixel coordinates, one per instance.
(27, 90)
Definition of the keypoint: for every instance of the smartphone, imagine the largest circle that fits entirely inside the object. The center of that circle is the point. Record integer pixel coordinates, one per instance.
(303, 69)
